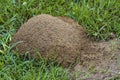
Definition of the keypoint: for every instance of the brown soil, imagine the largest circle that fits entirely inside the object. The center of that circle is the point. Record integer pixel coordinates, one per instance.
(63, 39)
(53, 37)
(99, 61)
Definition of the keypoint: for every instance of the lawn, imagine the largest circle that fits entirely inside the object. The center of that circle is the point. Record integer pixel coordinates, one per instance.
(100, 19)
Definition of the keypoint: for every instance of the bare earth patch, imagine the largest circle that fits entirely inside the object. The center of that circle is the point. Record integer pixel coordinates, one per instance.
(99, 61)
(65, 40)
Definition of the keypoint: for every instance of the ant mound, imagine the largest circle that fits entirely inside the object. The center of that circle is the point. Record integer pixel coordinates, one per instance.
(54, 37)
(63, 40)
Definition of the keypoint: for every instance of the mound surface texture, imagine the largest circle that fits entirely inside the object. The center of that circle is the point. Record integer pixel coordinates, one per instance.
(55, 38)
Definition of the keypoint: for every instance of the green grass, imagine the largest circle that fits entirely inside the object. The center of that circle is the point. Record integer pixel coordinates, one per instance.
(100, 18)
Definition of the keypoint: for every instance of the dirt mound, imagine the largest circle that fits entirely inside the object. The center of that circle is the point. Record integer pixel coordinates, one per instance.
(55, 38)
(63, 40)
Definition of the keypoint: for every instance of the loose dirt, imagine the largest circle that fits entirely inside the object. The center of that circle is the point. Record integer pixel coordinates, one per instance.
(99, 60)
(64, 40)
(52, 37)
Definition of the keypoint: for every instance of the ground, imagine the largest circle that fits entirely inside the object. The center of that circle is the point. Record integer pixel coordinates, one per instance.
(102, 63)
(99, 18)
(97, 59)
